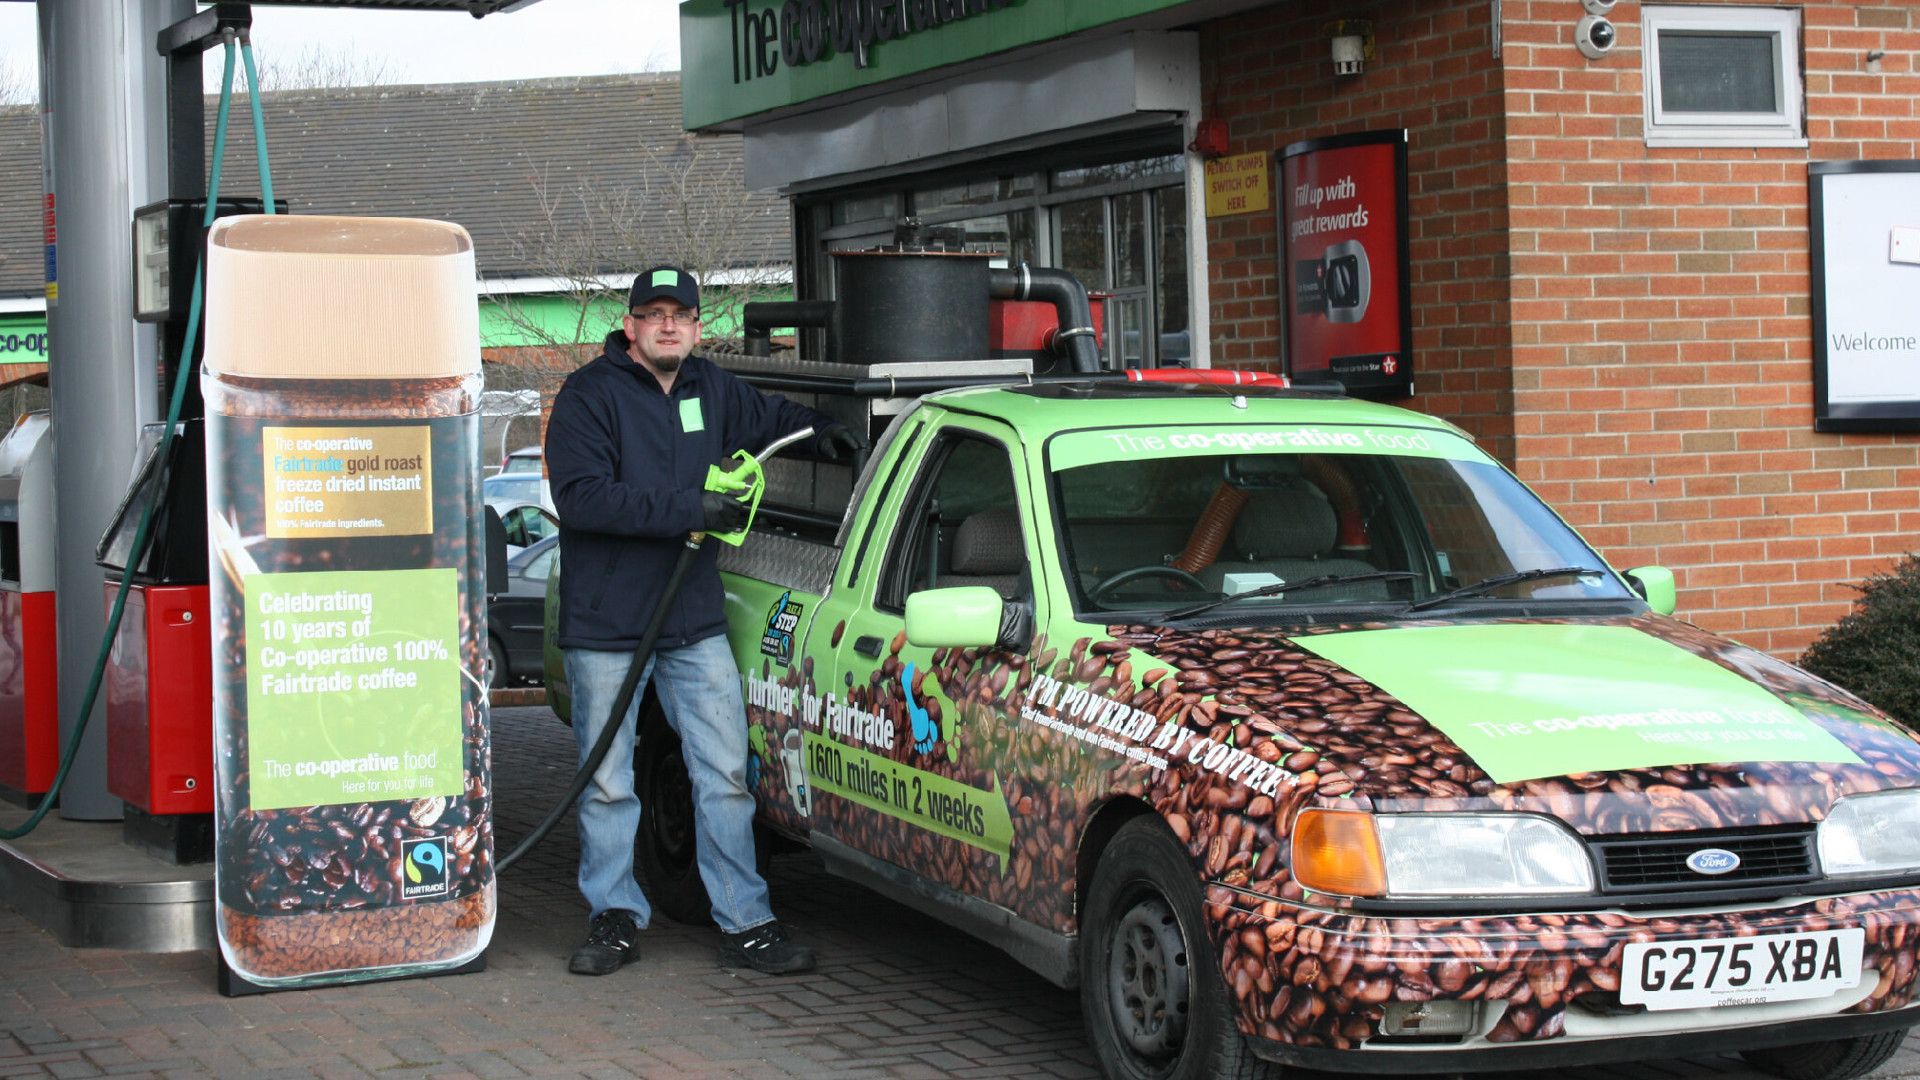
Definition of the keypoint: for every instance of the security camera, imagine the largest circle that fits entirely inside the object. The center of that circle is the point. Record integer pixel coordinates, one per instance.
(1594, 36)
(1597, 7)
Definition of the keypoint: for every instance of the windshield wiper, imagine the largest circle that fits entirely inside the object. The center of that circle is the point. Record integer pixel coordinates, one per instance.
(1279, 587)
(1499, 580)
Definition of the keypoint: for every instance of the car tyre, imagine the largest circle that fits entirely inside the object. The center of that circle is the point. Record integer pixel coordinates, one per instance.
(1840, 1059)
(1151, 994)
(666, 850)
(499, 674)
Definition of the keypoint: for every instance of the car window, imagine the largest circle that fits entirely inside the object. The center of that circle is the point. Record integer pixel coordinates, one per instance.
(1170, 533)
(960, 525)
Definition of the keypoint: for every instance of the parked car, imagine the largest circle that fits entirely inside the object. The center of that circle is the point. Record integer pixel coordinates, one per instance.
(524, 460)
(513, 489)
(514, 618)
(1295, 729)
(527, 524)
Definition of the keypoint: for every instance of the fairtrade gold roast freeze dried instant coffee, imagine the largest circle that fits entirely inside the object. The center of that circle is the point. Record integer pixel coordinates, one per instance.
(354, 798)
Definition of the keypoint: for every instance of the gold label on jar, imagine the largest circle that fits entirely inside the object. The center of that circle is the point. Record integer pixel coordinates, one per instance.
(341, 481)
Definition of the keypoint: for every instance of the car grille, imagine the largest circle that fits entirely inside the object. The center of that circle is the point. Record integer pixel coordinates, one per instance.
(1658, 862)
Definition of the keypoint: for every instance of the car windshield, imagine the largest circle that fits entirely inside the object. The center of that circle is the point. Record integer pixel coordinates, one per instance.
(1282, 530)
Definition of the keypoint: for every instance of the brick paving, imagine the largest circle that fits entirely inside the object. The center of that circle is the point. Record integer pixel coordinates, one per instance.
(897, 994)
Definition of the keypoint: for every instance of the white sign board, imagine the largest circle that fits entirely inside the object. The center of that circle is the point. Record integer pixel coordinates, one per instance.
(1864, 221)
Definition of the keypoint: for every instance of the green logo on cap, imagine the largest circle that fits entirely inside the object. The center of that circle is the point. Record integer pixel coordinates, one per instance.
(668, 279)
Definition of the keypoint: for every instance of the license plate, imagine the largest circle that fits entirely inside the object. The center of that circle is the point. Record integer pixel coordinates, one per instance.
(1740, 971)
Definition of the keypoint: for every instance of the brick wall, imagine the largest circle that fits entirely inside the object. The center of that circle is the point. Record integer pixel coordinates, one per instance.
(1662, 326)
(1271, 76)
(1628, 327)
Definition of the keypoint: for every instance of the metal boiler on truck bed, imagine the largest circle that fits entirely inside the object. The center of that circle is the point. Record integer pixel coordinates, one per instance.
(1294, 729)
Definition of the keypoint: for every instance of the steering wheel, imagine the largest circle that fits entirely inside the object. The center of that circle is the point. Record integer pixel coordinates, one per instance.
(1113, 581)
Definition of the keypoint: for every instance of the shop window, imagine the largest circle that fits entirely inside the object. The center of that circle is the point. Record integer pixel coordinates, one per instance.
(1722, 76)
(869, 207)
(972, 193)
(1118, 172)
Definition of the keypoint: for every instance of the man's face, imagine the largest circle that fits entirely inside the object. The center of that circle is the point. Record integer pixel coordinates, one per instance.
(663, 332)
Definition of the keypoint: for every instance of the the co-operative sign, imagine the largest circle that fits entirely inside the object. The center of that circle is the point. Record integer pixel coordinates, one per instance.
(799, 32)
(744, 57)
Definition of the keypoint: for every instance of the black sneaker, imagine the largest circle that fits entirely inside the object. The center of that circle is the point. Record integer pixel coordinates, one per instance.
(612, 940)
(766, 948)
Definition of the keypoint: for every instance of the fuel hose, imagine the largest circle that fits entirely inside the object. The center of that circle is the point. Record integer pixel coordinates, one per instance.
(749, 474)
(621, 702)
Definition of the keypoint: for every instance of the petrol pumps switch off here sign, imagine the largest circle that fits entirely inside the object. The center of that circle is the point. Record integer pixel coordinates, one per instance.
(333, 482)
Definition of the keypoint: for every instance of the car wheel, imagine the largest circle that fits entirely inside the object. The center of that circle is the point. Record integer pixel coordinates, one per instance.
(498, 673)
(1840, 1059)
(1151, 995)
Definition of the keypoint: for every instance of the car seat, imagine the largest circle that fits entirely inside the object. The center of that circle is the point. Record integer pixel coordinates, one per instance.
(1289, 530)
(987, 550)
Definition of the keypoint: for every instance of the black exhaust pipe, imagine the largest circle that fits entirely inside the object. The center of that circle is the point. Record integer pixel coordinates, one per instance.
(757, 320)
(1069, 299)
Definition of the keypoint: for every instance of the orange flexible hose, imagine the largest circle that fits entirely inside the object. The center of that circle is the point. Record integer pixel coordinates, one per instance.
(1345, 498)
(1210, 532)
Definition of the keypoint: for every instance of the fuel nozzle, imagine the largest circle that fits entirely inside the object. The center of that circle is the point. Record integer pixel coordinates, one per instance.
(744, 477)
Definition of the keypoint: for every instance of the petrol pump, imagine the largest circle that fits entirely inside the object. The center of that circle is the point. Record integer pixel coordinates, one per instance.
(29, 719)
(159, 684)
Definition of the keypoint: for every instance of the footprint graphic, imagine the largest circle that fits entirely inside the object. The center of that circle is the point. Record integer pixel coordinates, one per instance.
(925, 731)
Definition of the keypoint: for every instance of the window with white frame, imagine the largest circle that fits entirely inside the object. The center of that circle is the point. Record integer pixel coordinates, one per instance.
(1721, 76)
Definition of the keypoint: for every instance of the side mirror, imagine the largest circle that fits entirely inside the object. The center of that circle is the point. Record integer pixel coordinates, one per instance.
(967, 617)
(1655, 586)
(496, 553)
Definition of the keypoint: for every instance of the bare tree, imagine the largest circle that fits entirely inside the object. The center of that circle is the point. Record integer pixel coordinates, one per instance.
(686, 205)
(316, 68)
(17, 87)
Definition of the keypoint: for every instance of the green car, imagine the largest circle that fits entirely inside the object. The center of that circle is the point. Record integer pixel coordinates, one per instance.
(1294, 729)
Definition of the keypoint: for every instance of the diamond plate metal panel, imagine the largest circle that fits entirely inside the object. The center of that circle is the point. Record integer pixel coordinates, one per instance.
(800, 565)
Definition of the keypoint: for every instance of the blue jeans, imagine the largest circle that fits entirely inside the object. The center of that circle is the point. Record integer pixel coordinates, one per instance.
(700, 690)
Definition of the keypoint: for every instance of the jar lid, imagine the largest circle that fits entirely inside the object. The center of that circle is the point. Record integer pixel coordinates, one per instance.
(299, 297)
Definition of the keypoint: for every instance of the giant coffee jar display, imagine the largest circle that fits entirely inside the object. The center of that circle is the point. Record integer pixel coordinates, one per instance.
(354, 791)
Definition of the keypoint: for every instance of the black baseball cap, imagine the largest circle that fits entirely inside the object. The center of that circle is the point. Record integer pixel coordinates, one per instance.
(668, 281)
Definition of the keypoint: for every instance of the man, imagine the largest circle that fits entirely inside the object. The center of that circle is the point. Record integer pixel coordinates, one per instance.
(628, 445)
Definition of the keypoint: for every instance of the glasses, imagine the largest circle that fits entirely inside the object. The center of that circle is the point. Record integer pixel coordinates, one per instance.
(655, 317)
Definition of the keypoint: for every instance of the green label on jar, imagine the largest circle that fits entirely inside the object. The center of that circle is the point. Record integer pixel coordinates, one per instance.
(353, 687)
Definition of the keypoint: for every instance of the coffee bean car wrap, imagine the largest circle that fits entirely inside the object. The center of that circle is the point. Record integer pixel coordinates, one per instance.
(1264, 726)
(353, 806)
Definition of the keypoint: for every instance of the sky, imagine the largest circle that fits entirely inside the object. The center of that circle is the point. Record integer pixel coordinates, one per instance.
(552, 37)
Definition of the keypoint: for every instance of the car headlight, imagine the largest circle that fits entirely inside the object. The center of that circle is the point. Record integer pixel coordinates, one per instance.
(1430, 855)
(1871, 834)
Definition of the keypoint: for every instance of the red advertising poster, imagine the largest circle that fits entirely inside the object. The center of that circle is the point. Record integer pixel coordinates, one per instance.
(1343, 239)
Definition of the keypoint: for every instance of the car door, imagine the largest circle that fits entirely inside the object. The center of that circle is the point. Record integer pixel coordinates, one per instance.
(910, 763)
(516, 616)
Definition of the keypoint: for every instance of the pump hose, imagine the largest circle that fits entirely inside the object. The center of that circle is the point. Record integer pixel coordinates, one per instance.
(143, 533)
(621, 702)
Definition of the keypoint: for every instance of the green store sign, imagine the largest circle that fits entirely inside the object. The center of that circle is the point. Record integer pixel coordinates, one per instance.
(742, 57)
(23, 340)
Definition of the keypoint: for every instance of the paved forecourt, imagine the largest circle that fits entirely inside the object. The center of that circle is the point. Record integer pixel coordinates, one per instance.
(896, 995)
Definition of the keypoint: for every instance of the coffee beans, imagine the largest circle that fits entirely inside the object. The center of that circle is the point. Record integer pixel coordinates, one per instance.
(322, 891)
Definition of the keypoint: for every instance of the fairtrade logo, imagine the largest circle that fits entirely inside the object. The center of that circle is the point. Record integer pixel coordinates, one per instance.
(777, 639)
(1712, 861)
(424, 863)
(925, 731)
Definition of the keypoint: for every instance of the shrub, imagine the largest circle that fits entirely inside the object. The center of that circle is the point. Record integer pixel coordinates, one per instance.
(1875, 650)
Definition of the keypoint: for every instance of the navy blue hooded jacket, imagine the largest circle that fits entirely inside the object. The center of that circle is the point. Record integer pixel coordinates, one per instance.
(627, 464)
